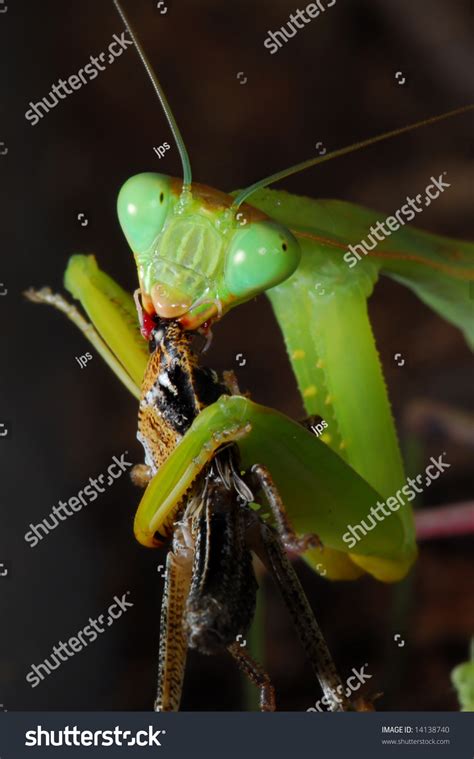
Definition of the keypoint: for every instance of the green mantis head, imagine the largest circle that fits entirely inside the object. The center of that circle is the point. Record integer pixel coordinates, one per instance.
(196, 258)
(197, 255)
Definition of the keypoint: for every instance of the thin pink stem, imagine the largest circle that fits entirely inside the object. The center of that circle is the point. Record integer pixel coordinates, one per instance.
(445, 521)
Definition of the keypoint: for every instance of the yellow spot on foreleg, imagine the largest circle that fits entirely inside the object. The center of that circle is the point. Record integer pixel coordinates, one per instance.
(310, 391)
(298, 353)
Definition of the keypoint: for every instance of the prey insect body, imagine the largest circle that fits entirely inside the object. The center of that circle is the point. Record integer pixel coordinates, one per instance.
(174, 390)
(210, 585)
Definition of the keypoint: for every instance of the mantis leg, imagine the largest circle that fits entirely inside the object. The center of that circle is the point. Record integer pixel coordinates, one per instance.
(173, 642)
(256, 674)
(45, 295)
(261, 476)
(155, 514)
(301, 465)
(273, 555)
(114, 329)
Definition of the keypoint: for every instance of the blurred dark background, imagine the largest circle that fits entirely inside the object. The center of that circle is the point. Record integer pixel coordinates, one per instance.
(335, 83)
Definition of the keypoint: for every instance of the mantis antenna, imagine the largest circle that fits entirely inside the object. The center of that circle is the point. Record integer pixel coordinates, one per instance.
(187, 176)
(244, 194)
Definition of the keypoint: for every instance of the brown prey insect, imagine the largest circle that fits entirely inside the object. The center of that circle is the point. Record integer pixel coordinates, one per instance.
(210, 585)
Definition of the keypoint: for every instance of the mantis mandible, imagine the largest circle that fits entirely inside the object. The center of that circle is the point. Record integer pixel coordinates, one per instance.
(200, 252)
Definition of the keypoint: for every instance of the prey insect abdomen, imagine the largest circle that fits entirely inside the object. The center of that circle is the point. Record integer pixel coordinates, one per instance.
(222, 598)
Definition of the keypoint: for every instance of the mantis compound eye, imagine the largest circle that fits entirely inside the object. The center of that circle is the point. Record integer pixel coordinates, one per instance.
(260, 257)
(143, 205)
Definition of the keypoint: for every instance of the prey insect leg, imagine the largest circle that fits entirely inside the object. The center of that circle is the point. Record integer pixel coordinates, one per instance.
(261, 479)
(272, 554)
(231, 383)
(173, 640)
(256, 674)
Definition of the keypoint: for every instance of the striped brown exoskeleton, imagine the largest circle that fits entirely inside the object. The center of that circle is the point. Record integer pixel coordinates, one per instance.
(210, 586)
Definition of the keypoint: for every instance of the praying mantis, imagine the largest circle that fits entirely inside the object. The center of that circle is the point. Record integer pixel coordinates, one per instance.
(199, 253)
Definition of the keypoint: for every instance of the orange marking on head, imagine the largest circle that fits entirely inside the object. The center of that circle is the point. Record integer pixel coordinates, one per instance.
(216, 200)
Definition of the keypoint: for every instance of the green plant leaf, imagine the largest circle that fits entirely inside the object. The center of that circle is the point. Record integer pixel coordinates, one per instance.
(462, 678)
